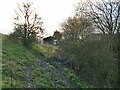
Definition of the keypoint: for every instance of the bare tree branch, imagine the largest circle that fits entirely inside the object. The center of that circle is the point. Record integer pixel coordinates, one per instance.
(105, 15)
(31, 22)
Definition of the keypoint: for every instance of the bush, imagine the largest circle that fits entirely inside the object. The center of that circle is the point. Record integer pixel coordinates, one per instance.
(19, 37)
(94, 60)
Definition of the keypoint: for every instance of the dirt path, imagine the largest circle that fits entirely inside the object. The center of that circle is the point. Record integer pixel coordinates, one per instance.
(55, 74)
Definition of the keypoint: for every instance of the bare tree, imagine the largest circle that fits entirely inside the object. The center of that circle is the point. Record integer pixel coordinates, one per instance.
(105, 15)
(27, 23)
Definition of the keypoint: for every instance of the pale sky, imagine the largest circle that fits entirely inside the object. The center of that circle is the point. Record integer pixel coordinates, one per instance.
(53, 12)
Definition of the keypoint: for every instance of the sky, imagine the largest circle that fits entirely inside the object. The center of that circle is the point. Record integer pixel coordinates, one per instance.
(53, 12)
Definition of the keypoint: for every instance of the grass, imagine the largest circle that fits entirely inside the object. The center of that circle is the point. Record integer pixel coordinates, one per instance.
(21, 66)
(15, 58)
(69, 76)
(45, 50)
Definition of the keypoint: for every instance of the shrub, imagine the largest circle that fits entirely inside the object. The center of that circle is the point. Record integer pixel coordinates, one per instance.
(93, 60)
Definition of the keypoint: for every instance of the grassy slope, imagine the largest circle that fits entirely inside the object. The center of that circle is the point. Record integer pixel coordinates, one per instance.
(21, 68)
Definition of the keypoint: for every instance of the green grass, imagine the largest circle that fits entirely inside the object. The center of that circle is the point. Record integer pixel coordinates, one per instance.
(70, 78)
(44, 72)
(15, 58)
(46, 50)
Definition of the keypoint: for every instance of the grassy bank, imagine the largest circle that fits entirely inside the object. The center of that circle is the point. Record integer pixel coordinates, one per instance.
(35, 68)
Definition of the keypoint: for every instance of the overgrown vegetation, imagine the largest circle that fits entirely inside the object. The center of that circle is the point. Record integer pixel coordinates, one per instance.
(21, 68)
(86, 54)
(93, 54)
(94, 59)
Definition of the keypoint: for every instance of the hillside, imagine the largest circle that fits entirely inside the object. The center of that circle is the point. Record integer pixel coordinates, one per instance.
(36, 68)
